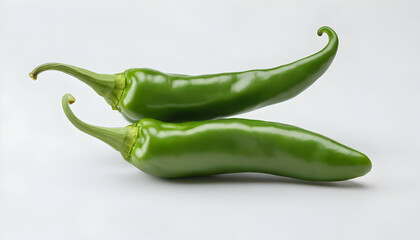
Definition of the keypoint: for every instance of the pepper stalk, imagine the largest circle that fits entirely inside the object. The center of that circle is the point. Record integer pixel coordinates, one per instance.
(121, 139)
(109, 86)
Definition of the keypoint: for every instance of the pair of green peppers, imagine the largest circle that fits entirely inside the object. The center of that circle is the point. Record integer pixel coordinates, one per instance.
(173, 136)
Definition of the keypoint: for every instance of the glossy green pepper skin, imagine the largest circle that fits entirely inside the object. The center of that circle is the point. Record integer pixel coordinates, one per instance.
(147, 93)
(173, 150)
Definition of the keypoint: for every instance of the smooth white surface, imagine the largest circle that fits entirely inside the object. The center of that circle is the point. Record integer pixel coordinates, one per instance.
(59, 183)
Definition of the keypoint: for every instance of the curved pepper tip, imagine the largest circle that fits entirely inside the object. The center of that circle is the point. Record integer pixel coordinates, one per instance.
(324, 29)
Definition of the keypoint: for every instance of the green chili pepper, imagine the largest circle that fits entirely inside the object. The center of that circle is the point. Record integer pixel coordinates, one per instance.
(172, 150)
(146, 93)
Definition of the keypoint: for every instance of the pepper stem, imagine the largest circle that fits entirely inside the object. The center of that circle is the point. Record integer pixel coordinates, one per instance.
(121, 139)
(109, 86)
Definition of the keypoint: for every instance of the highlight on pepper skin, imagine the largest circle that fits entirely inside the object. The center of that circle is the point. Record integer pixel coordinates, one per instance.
(147, 93)
(188, 149)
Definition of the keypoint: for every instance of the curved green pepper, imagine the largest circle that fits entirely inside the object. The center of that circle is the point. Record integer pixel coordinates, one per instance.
(172, 150)
(146, 93)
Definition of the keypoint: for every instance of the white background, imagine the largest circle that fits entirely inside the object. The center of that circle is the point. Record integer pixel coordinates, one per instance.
(59, 183)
